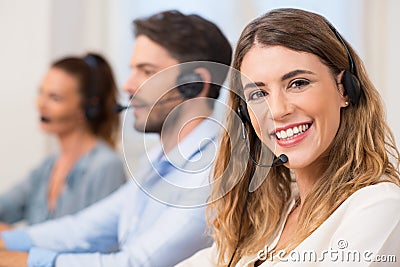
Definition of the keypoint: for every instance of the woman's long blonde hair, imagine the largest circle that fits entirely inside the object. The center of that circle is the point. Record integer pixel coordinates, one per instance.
(361, 153)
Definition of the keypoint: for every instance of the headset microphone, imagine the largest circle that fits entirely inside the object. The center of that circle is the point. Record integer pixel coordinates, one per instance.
(45, 119)
(278, 161)
(57, 119)
(118, 108)
(282, 159)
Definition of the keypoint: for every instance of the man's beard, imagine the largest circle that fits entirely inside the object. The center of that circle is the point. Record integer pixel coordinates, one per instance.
(156, 120)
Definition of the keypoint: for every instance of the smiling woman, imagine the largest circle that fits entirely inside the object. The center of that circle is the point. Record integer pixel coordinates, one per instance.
(306, 95)
(303, 96)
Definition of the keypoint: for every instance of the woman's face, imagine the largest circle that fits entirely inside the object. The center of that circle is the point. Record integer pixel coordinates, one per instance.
(294, 102)
(59, 103)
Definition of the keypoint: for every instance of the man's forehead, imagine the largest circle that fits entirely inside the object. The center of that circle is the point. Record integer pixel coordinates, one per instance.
(146, 51)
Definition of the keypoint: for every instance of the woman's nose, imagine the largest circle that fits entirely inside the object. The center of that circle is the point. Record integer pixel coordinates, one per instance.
(279, 105)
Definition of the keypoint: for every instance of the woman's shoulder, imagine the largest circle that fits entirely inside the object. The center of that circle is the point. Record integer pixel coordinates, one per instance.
(45, 166)
(375, 199)
(377, 192)
(102, 152)
(366, 221)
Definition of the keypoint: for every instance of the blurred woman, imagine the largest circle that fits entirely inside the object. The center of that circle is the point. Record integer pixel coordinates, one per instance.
(75, 104)
(303, 92)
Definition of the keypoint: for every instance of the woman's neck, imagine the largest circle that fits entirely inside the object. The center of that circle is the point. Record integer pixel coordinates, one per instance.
(75, 144)
(306, 179)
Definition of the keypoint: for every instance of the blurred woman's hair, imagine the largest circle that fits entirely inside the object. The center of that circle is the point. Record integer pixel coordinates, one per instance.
(98, 90)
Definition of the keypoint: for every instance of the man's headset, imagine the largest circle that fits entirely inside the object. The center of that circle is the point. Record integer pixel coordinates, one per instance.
(189, 84)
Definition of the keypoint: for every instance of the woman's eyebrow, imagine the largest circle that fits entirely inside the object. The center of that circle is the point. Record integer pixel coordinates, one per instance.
(253, 85)
(294, 73)
(283, 78)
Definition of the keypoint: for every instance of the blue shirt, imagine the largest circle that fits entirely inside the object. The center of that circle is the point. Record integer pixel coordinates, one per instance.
(156, 219)
(94, 176)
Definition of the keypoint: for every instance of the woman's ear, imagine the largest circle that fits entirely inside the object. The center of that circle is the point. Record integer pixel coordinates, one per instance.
(81, 116)
(344, 98)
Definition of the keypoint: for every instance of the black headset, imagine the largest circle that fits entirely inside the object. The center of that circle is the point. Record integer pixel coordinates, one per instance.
(243, 113)
(92, 106)
(189, 84)
(350, 81)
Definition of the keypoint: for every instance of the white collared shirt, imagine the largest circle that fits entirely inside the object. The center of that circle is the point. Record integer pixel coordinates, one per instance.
(363, 231)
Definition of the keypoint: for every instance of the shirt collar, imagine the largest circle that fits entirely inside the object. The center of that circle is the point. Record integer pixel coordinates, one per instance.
(188, 149)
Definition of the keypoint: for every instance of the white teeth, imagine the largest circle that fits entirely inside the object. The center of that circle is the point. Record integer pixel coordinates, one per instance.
(289, 132)
(292, 131)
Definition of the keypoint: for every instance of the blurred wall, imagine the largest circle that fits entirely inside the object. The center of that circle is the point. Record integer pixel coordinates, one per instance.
(24, 52)
(34, 33)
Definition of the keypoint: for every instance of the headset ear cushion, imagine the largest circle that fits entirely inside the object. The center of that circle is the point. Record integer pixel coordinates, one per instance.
(92, 112)
(243, 113)
(352, 86)
(190, 84)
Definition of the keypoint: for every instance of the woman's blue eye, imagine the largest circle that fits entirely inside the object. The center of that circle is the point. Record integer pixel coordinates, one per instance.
(256, 95)
(299, 84)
